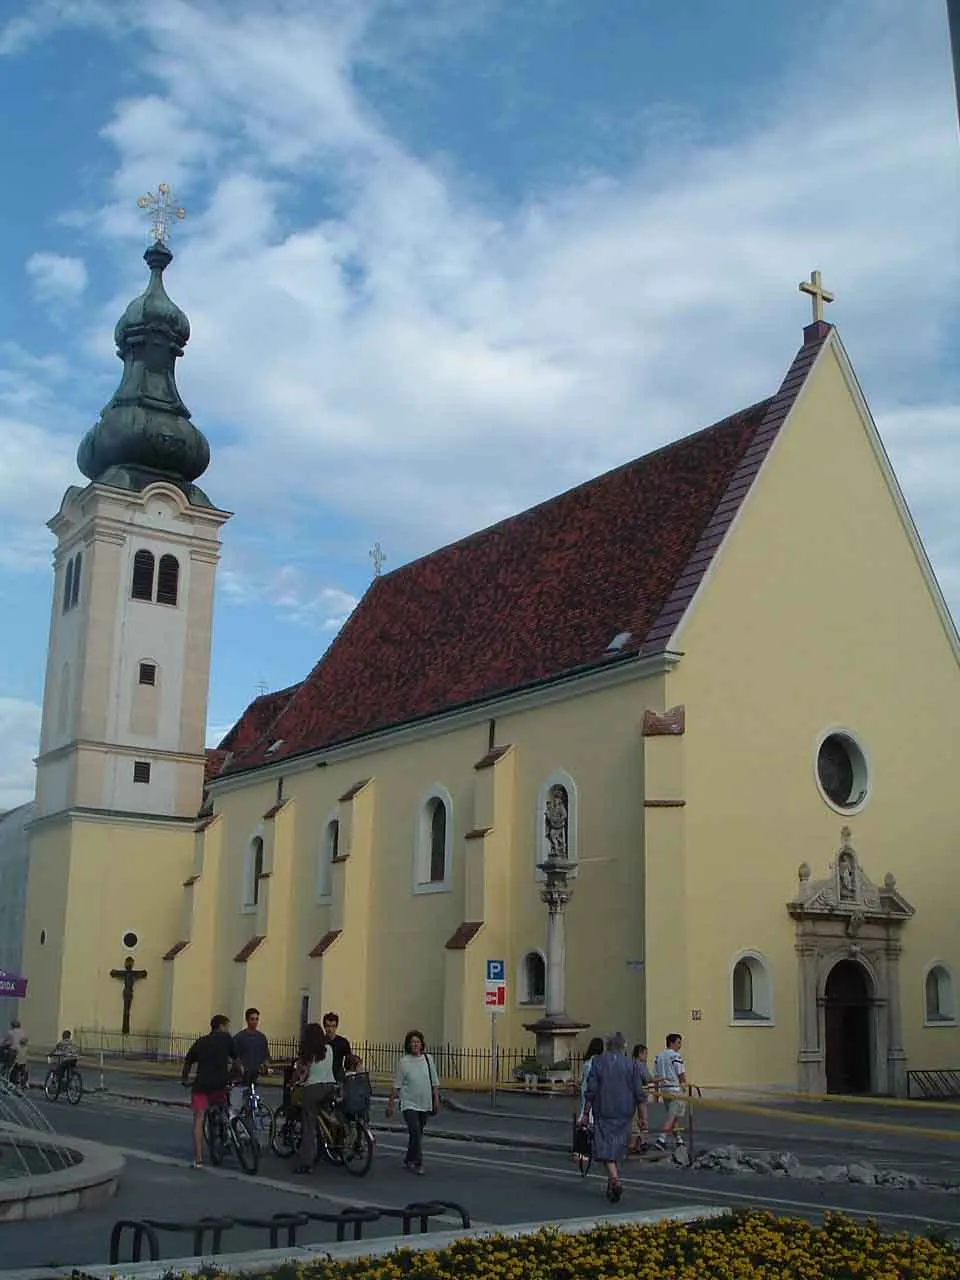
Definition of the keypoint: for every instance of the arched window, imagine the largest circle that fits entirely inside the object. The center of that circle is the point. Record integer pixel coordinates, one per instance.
(750, 990)
(77, 570)
(438, 841)
(142, 586)
(532, 984)
(168, 580)
(434, 848)
(68, 586)
(257, 868)
(938, 1003)
(329, 852)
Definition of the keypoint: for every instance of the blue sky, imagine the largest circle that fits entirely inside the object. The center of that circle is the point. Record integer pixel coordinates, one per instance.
(443, 260)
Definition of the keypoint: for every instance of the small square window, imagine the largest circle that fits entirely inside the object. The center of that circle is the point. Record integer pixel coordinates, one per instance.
(141, 770)
(148, 673)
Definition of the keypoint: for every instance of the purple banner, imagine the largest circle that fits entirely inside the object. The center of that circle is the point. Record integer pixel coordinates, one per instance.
(11, 985)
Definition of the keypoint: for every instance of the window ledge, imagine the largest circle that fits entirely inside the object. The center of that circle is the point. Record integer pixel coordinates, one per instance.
(754, 1020)
(440, 886)
(249, 909)
(939, 1022)
(532, 1004)
(324, 899)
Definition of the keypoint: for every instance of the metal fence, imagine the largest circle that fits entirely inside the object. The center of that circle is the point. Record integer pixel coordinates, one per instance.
(942, 1083)
(455, 1064)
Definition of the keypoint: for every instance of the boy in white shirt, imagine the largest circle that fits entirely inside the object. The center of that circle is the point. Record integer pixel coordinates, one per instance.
(670, 1073)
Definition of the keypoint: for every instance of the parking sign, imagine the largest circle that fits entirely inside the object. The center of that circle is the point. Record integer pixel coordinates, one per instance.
(495, 987)
(496, 971)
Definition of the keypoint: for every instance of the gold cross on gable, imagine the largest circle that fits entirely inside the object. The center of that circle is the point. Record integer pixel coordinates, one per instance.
(162, 211)
(818, 294)
(377, 555)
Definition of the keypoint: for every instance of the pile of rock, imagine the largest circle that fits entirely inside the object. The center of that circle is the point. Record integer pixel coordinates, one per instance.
(786, 1165)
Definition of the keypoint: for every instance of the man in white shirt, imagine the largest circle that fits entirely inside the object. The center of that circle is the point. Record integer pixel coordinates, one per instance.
(670, 1074)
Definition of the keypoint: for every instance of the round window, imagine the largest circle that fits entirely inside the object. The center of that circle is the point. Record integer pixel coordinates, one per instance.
(842, 771)
(130, 940)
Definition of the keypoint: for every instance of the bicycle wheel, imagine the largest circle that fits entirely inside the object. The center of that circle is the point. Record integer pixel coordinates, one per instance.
(51, 1085)
(247, 1149)
(357, 1148)
(74, 1088)
(287, 1131)
(214, 1131)
(329, 1138)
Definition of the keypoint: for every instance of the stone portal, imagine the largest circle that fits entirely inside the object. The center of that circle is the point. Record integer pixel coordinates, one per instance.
(848, 947)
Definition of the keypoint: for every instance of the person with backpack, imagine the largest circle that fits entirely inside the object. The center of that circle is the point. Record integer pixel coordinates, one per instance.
(418, 1087)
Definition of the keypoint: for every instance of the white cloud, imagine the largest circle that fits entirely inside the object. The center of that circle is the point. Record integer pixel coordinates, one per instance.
(19, 735)
(288, 588)
(404, 358)
(57, 278)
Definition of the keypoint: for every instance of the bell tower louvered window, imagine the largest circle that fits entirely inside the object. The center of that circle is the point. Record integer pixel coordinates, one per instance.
(168, 580)
(143, 566)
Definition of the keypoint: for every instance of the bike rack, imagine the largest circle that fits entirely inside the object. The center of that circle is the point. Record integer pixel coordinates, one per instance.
(140, 1232)
(354, 1216)
(199, 1229)
(289, 1222)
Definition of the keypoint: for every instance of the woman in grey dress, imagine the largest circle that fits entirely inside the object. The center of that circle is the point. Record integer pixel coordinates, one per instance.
(615, 1089)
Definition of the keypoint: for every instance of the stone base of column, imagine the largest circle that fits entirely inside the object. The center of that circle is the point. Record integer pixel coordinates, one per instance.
(555, 1038)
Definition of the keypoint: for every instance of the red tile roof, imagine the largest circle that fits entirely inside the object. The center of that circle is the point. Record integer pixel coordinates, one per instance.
(538, 596)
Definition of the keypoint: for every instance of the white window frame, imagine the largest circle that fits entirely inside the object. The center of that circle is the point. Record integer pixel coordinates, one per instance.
(325, 858)
(864, 770)
(523, 990)
(247, 904)
(559, 777)
(422, 842)
(762, 985)
(945, 996)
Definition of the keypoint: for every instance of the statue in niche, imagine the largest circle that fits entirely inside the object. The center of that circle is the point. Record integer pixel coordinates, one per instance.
(556, 822)
(848, 876)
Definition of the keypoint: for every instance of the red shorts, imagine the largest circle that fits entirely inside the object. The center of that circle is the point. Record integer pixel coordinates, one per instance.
(203, 1101)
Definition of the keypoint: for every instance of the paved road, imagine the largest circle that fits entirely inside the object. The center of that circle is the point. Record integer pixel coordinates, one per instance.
(498, 1184)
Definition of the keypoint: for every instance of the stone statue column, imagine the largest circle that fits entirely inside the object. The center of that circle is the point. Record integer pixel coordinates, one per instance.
(555, 896)
(809, 1057)
(555, 1032)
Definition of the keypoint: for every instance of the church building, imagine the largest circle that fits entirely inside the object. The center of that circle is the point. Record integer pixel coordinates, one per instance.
(676, 747)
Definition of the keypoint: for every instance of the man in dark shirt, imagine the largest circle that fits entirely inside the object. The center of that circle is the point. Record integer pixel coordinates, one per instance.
(339, 1045)
(215, 1056)
(252, 1047)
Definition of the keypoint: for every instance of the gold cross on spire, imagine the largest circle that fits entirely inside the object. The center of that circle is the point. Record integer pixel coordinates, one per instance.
(377, 555)
(818, 294)
(162, 211)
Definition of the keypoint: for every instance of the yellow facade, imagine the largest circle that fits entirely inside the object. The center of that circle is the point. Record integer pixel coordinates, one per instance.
(818, 613)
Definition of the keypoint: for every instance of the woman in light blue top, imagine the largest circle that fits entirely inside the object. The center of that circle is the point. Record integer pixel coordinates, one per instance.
(315, 1073)
(418, 1087)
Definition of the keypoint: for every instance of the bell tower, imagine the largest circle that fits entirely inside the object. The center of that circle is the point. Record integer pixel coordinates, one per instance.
(120, 771)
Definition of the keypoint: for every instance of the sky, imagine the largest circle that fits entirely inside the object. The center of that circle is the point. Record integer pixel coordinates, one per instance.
(443, 260)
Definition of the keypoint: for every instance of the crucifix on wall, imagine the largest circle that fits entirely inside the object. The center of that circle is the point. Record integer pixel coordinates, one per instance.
(129, 976)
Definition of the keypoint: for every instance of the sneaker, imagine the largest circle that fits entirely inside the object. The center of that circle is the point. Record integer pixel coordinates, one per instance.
(661, 1143)
(678, 1141)
(198, 1164)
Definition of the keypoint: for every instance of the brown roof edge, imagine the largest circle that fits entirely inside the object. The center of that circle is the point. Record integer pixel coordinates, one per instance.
(477, 833)
(464, 934)
(491, 758)
(354, 790)
(274, 810)
(325, 943)
(206, 822)
(679, 600)
(657, 724)
(247, 950)
(176, 949)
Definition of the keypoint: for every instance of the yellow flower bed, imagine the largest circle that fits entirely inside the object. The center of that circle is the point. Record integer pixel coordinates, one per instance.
(739, 1246)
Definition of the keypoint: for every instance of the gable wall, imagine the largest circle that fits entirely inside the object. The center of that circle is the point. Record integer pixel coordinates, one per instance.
(817, 615)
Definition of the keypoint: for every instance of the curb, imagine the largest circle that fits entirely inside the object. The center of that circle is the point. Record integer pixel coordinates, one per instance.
(491, 1140)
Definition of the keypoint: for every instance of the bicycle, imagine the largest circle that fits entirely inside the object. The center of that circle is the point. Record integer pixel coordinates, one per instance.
(16, 1074)
(344, 1136)
(223, 1130)
(63, 1077)
(257, 1114)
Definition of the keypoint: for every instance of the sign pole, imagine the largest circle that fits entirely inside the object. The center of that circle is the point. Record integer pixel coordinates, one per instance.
(493, 1059)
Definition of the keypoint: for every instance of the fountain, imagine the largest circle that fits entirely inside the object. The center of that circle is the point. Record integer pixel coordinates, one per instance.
(43, 1173)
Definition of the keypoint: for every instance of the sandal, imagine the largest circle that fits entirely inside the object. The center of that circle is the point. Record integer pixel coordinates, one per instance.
(614, 1190)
